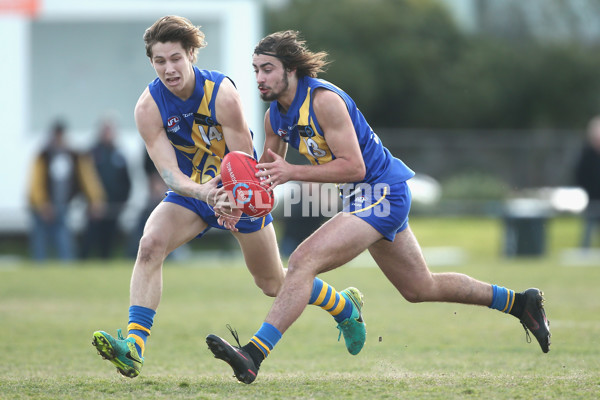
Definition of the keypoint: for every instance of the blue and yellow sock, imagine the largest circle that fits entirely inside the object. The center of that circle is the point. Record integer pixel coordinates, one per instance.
(326, 297)
(140, 323)
(503, 299)
(323, 295)
(264, 340)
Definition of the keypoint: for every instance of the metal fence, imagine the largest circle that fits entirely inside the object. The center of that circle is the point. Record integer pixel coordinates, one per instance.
(522, 159)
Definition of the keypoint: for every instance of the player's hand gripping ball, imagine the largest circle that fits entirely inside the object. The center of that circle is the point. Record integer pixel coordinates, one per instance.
(237, 175)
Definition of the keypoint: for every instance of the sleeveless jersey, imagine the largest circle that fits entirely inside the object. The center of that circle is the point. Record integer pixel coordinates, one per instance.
(299, 127)
(192, 125)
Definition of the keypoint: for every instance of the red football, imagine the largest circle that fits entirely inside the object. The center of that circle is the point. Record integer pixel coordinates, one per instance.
(237, 174)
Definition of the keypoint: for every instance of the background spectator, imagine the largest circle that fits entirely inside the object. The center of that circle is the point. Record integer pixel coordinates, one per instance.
(587, 175)
(111, 166)
(57, 175)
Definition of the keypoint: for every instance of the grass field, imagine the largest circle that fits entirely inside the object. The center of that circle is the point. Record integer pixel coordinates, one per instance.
(413, 351)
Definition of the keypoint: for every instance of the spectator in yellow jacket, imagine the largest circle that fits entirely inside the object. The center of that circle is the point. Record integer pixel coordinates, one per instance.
(58, 174)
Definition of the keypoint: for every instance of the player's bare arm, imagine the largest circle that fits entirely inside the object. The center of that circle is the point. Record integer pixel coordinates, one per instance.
(348, 166)
(272, 142)
(230, 115)
(149, 124)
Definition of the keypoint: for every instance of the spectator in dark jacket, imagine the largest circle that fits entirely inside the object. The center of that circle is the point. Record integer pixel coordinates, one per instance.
(103, 228)
(587, 175)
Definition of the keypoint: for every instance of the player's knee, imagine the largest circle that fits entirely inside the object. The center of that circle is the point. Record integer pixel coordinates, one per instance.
(151, 247)
(300, 261)
(417, 292)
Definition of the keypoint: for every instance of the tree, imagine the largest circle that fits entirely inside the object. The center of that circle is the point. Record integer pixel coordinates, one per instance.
(407, 64)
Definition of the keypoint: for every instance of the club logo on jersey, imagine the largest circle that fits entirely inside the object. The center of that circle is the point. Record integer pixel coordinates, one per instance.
(172, 124)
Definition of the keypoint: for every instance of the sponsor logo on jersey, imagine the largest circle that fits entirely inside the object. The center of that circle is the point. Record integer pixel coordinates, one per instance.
(204, 120)
(306, 131)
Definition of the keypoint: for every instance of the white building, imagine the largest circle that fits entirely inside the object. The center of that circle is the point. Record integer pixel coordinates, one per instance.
(78, 60)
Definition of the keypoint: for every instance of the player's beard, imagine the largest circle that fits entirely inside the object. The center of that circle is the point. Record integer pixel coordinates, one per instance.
(275, 95)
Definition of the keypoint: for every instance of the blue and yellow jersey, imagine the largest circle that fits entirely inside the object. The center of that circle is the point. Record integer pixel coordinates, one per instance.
(299, 127)
(192, 125)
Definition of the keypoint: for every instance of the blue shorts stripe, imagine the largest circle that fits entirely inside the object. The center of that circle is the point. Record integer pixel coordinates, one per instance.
(383, 206)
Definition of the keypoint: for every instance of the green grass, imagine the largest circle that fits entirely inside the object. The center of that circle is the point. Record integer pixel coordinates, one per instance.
(444, 351)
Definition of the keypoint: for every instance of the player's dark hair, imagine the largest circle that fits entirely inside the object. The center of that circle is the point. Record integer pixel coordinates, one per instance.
(177, 30)
(291, 50)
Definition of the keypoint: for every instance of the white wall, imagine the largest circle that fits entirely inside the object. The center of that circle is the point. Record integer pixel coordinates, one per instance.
(15, 150)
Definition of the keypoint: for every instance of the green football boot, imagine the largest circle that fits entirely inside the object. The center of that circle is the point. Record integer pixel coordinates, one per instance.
(353, 328)
(121, 352)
